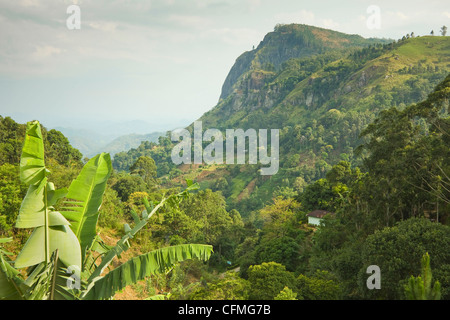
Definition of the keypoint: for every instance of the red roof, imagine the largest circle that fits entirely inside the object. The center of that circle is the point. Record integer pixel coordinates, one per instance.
(319, 213)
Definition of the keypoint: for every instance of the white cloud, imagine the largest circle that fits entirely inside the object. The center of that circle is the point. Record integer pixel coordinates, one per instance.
(253, 5)
(234, 36)
(29, 3)
(446, 14)
(43, 52)
(302, 16)
(397, 15)
(329, 24)
(190, 21)
(306, 17)
(103, 26)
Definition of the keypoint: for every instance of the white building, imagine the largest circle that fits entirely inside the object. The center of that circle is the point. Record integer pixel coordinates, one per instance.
(316, 216)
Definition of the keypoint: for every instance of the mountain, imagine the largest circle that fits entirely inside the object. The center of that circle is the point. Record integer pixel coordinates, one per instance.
(110, 137)
(321, 89)
(82, 139)
(335, 77)
(130, 141)
(288, 42)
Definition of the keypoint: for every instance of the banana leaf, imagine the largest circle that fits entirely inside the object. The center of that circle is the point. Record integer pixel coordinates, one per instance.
(140, 267)
(9, 279)
(85, 198)
(32, 163)
(32, 210)
(61, 238)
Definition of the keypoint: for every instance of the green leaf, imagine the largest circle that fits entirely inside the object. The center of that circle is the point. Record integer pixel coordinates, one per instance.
(140, 267)
(61, 238)
(9, 280)
(135, 216)
(99, 246)
(54, 195)
(5, 240)
(86, 193)
(32, 163)
(32, 211)
(40, 280)
(126, 227)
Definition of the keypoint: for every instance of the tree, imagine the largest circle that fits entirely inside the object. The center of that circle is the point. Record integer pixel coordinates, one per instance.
(420, 288)
(443, 30)
(67, 242)
(317, 195)
(11, 195)
(432, 32)
(145, 167)
(268, 279)
(11, 139)
(127, 185)
(60, 149)
(228, 287)
(279, 217)
(398, 251)
(321, 286)
(284, 250)
(208, 209)
(287, 294)
(407, 159)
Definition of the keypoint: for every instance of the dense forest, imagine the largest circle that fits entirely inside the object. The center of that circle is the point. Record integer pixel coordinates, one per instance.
(364, 137)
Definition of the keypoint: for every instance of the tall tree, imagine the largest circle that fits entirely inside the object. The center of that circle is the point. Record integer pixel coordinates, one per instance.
(146, 168)
(407, 157)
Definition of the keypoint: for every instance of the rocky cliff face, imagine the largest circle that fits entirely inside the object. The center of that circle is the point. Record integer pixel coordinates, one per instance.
(288, 42)
(298, 73)
(241, 66)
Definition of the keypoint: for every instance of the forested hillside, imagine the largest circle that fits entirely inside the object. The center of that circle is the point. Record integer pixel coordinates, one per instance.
(364, 138)
(321, 101)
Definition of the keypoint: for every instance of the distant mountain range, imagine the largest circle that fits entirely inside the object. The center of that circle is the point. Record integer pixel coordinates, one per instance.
(109, 137)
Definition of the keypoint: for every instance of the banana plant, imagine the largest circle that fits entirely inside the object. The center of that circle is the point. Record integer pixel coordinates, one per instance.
(64, 248)
(51, 231)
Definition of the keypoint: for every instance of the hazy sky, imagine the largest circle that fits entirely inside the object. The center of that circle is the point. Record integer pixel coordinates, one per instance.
(160, 61)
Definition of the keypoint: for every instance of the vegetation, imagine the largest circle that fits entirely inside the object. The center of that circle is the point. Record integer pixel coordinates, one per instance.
(58, 246)
(420, 288)
(364, 135)
(321, 103)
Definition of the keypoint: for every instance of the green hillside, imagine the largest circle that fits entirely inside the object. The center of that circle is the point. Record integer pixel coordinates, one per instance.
(289, 42)
(304, 88)
(129, 141)
(321, 100)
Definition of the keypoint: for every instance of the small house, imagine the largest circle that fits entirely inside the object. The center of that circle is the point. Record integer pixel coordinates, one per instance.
(316, 216)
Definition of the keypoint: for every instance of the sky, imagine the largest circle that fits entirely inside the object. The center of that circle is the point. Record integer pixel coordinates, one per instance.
(162, 62)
